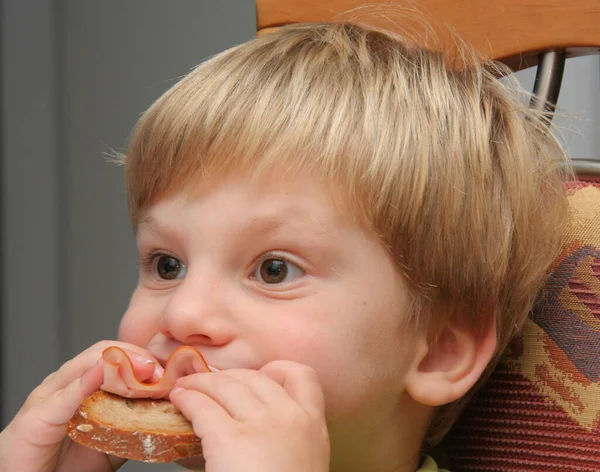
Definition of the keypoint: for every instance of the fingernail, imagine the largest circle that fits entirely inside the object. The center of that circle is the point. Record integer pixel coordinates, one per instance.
(143, 360)
(176, 390)
(158, 371)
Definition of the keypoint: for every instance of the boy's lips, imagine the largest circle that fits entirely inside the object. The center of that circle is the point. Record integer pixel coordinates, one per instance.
(162, 347)
(162, 360)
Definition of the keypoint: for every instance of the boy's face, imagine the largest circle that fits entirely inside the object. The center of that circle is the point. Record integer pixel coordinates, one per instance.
(253, 272)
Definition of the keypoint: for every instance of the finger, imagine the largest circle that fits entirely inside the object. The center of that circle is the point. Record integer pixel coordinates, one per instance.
(143, 362)
(144, 367)
(45, 423)
(264, 388)
(300, 382)
(205, 414)
(232, 394)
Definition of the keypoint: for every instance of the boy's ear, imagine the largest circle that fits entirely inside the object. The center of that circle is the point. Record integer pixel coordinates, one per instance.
(446, 369)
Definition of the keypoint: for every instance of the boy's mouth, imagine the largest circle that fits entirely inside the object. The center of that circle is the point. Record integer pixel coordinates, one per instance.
(162, 348)
(162, 360)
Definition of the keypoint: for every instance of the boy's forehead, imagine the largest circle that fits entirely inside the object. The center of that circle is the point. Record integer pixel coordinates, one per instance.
(265, 204)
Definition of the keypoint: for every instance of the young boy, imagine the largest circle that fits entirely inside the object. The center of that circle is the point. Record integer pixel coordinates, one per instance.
(348, 228)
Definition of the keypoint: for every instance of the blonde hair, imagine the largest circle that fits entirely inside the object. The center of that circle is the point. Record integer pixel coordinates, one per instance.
(459, 178)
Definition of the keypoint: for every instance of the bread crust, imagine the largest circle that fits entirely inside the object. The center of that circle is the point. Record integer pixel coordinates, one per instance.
(120, 437)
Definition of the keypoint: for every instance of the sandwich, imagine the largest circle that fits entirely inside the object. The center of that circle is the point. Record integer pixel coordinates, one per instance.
(148, 429)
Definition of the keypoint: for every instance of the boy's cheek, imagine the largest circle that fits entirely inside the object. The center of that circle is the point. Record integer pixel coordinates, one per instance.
(139, 323)
(298, 344)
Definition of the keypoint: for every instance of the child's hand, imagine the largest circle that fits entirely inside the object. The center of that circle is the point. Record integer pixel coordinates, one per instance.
(270, 420)
(36, 439)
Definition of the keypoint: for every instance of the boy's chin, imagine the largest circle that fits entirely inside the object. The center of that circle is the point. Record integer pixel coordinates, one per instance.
(193, 463)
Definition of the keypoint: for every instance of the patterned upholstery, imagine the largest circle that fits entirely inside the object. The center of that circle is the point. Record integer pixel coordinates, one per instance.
(540, 410)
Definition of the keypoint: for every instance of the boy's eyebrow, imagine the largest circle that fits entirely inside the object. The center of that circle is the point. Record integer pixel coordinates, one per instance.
(287, 217)
(256, 224)
(151, 224)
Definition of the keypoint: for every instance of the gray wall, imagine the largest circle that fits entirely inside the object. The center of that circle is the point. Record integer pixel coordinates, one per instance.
(75, 75)
(32, 275)
(578, 111)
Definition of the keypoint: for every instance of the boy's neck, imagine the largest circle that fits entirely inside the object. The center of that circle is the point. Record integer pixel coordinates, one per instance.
(385, 444)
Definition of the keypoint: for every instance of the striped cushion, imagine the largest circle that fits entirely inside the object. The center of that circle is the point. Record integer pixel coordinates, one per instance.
(540, 410)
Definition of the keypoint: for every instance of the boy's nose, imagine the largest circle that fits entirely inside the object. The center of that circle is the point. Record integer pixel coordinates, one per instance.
(197, 314)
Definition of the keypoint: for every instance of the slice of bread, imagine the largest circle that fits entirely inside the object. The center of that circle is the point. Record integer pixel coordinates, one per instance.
(141, 429)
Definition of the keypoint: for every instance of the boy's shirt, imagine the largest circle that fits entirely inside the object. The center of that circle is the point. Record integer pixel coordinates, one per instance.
(429, 465)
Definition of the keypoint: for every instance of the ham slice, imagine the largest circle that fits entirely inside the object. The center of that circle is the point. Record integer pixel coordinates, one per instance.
(120, 379)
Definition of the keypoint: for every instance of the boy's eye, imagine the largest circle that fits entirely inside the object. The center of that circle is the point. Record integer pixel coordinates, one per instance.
(169, 268)
(276, 271)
